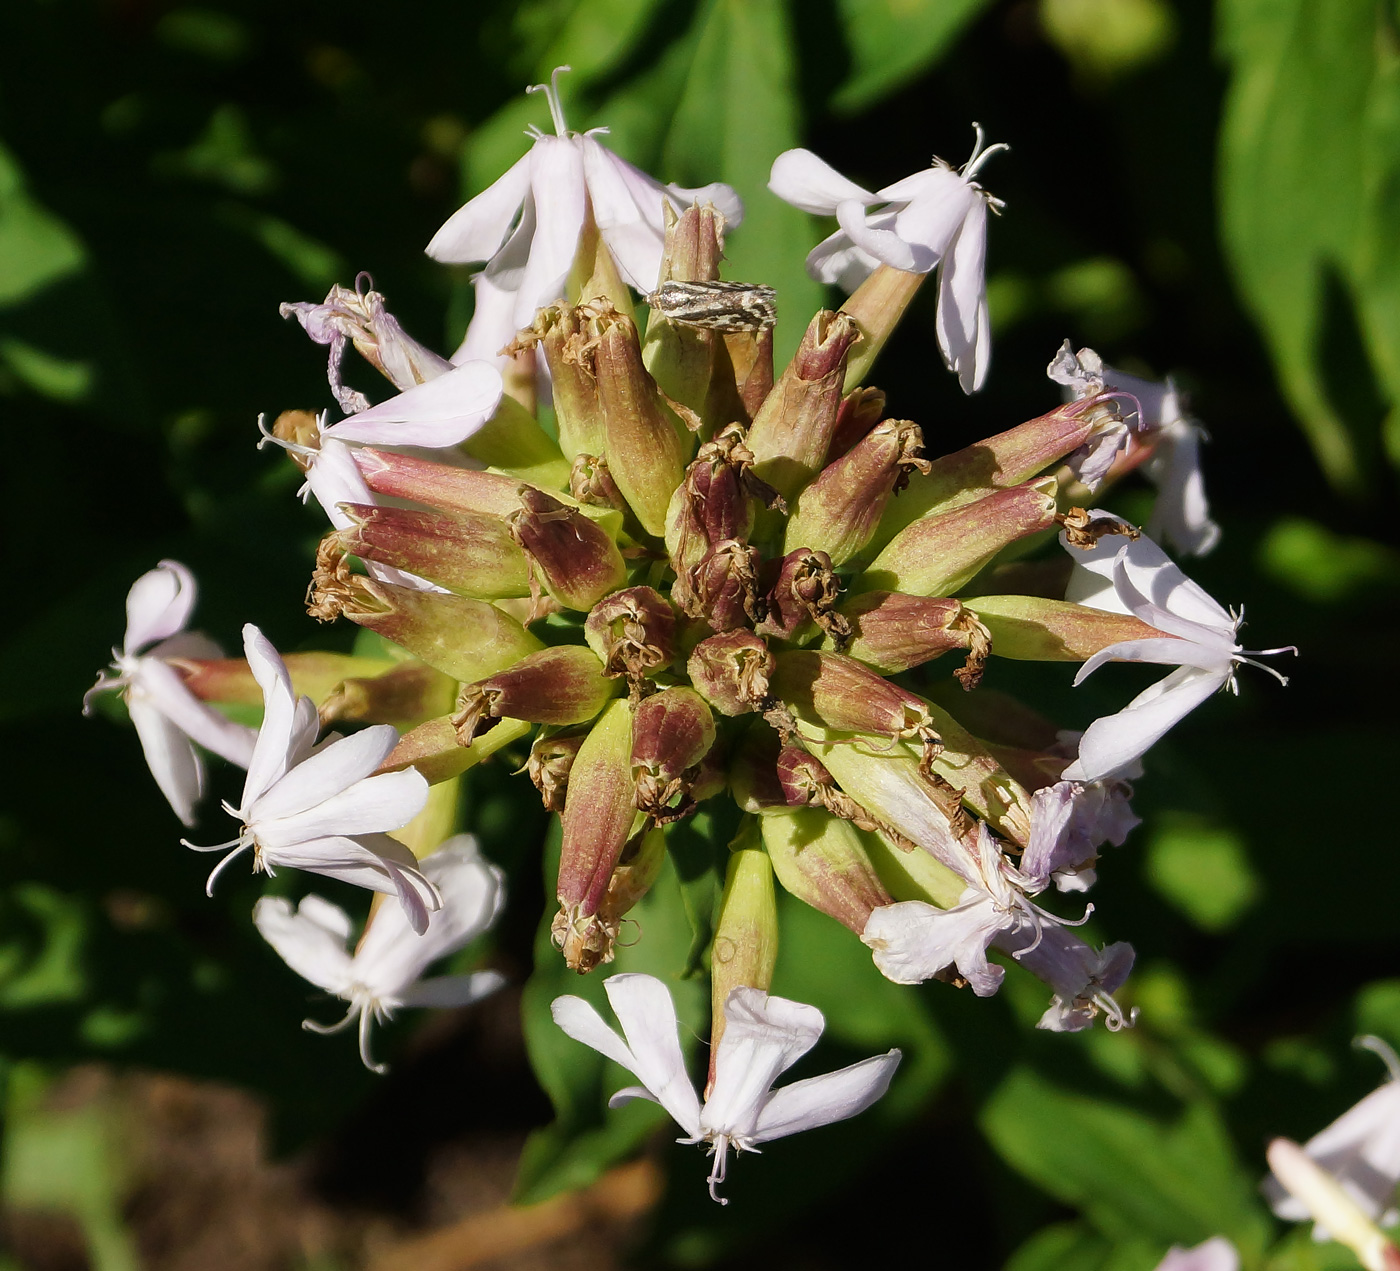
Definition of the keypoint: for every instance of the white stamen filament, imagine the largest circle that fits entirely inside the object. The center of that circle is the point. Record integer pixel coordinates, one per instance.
(551, 95)
(980, 155)
(1378, 1047)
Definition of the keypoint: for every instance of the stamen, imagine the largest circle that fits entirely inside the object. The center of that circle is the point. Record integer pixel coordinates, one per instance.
(551, 95)
(223, 864)
(1378, 1047)
(719, 1168)
(294, 447)
(365, 1057)
(328, 1030)
(979, 155)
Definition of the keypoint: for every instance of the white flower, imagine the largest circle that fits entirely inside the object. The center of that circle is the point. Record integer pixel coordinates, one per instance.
(320, 807)
(763, 1036)
(1181, 514)
(1215, 1254)
(1084, 979)
(1070, 821)
(1134, 576)
(360, 317)
(527, 225)
(1336, 1212)
(386, 970)
(912, 941)
(936, 218)
(168, 718)
(1360, 1149)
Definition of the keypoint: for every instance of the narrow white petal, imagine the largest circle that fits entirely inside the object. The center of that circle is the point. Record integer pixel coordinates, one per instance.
(643, 1007)
(912, 941)
(332, 769)
(452, 990)
(375, 805)
(883, 244)
(476, 230)
(1181, 513)
(441, 412)
(724, 198)
(158, 605)
(330, 918)
(559, 195)
(834, 1096)
(581, 1021)
(492, 326)
(171, 758)
(159, 684)
(1111, 744)
(279, 732)
(935, 208)
(335, 478)
(304, 944)
(838, 260)
(1164, 650)
(800, 178)
(962, 295)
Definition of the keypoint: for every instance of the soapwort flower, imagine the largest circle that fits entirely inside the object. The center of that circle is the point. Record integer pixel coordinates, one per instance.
(526, 226)
(1134, 576)
(170, 721)
(934, 219)
(763, 1037)
(1181, 514)
(323, 808)
(385, 972)
(1070, 821)
(1215, 1254)
(1360, 1149)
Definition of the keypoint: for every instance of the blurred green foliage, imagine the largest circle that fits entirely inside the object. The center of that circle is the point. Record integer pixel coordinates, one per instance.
(169, 174)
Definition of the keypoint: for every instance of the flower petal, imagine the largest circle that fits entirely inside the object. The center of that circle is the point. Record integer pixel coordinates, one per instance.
(1165, 651)
(377, 804)
(328, 772)
(1111, 744)
(452, 990)
(838, 260)
(1215, 1254)
(834, 1096)
(581, 1021)
(883, 244)
(643, 1007)
(280, 730)
(912, 941)
(1181, 513)
(937, 203)
(158, 605)
(173, 761)
(478, 228)
(159, 684)
(492, 326)
(800, 178)
(963, 329)
(303, 942)
(441, 412)
(559, 195)
(627, 207)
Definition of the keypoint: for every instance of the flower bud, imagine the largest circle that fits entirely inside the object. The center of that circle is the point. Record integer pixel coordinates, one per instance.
(551, 760)
(804, 591)
(467, 553)
(574, 558)
(1032, 629)
(876, 307)
(513, 441)
(434, 750)
(314, 675)
(807, 782)
(860, 412)
(834, 691)
(464, 638)
(405, 696)
(439, 485)
(745, 947)
(792, 431)
(672, 731)
(751, 364)
(913, 875)
(985, 785)
(598, 820)
(561, 334)
(893, 632)
(839, 511)
(561, 685)
(998, 462)
(821, 860)
(645, 453)
(681, 357)
(732, 671)
(938, 554)
(726, 586)
(633, 632)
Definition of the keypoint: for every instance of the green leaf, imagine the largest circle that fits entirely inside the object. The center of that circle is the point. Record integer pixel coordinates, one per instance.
(1133, 1177)
(1065, 1246)
(1310, 186)
(698, 847)
(1201, 868)
(893, 41)
(587, 1137)
(36, 248)
(737, 113)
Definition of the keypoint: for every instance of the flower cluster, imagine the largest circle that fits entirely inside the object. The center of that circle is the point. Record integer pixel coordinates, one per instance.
(709, 578)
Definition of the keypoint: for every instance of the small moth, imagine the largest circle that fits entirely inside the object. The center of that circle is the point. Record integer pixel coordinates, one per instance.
(717, 306)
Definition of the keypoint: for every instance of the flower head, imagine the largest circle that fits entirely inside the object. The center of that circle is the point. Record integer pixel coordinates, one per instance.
(324, 808)
(934, 219)
(168, 718)
(763, 1037)
(1135, 576)
(526, 226)
(385, 972)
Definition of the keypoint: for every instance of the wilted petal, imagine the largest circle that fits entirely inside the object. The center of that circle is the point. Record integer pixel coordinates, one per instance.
(441, 412)
(912, 941)
(477, 229)
(834, 1096)
(158, 605)
(800, 178)
(305, 941)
